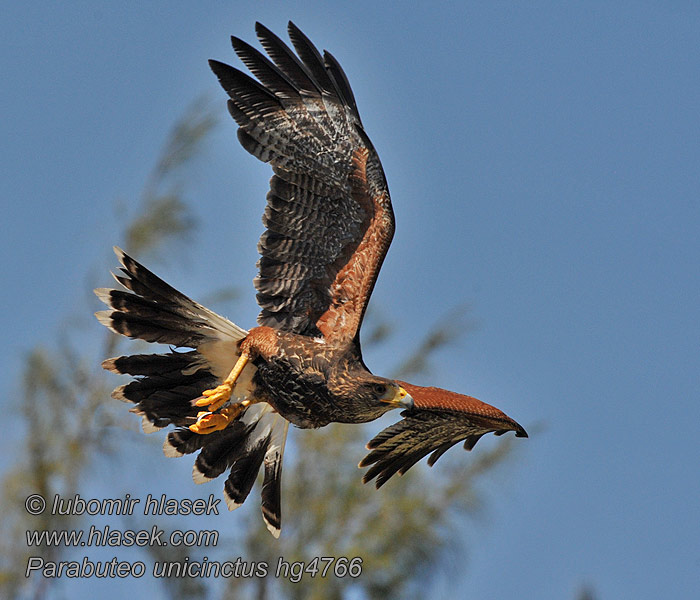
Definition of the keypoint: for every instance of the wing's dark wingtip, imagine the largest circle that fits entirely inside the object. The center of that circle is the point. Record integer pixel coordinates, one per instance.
(261, 31)
(342, 82)
(217, 66)
(377, 484)
(520, 431)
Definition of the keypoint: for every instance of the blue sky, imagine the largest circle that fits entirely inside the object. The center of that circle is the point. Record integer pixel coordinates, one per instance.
(543, 164)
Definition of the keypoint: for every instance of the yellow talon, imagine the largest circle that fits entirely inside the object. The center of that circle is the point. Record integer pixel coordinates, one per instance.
(220, 395)
(208, 422)
(216, 398)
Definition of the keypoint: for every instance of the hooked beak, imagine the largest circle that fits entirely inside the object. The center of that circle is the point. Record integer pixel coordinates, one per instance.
(399, 399)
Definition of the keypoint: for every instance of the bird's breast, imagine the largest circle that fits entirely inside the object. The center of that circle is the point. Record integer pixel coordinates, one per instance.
(299, 393)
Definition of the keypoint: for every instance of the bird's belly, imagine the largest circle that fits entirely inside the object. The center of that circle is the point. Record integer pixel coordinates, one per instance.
(301, 397)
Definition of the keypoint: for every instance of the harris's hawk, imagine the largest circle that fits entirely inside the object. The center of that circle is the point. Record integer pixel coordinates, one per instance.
(231, 393)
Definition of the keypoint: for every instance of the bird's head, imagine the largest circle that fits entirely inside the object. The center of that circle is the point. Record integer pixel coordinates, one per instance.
(368, 396)
(382, 392)
(391, 393)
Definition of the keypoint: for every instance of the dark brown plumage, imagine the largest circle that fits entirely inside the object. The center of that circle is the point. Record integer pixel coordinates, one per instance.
(231, 393)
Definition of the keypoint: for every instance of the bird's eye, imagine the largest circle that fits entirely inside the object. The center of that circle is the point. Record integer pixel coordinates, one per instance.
(379, 389)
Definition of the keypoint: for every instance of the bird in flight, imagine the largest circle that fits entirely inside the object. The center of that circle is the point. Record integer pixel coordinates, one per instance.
(230, 393)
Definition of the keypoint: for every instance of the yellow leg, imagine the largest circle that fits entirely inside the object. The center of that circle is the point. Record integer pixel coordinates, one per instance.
(216, 398)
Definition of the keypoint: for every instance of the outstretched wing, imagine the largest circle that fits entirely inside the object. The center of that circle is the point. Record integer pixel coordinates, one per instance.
(438, 420)
(329, 218)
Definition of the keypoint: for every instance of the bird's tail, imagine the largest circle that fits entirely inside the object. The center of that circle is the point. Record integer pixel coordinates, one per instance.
(166, 386)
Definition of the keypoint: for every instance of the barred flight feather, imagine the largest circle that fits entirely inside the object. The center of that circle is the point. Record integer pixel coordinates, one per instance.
(301, 116)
